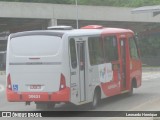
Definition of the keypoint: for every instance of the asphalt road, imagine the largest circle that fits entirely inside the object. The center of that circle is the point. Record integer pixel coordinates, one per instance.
(145, 98)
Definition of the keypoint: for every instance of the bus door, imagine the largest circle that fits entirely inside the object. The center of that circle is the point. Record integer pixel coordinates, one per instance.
(123, 62)
(74, 72)
(81, 64)
(77, 68)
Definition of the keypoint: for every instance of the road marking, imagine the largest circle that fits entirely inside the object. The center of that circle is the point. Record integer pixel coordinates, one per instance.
(1, 88)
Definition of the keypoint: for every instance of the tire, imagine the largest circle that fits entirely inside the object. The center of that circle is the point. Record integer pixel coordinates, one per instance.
(96, 99)
(130, 93)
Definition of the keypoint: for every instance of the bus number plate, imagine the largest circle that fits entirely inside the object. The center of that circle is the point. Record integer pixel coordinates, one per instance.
(34, 96)
(35, 87)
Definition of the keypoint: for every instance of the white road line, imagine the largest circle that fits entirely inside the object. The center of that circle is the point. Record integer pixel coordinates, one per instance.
(1, 88)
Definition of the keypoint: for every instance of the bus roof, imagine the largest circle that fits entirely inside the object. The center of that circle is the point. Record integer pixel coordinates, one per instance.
(74, 32)
(98, 31)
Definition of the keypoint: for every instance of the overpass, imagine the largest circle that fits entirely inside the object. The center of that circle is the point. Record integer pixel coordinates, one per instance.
(18, 16)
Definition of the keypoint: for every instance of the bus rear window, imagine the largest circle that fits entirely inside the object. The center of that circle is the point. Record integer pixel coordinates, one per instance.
(35, 45)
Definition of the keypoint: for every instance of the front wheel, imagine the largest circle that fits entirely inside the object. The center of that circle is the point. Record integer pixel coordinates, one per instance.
(130, 93)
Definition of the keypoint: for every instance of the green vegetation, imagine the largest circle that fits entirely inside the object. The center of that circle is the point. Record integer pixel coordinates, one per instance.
(150, 45)
(120, 3)
(42, 1)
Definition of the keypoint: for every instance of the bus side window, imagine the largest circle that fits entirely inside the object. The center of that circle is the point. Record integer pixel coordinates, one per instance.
(95, 50)
(133, 49)
(110, 48)
(73, 53)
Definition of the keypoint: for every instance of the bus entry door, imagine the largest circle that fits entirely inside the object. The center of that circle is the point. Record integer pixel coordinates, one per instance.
(123, 62)
(81, 63)
(77, 53)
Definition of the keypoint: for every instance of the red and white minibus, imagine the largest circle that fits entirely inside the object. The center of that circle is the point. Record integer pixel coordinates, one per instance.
(71, 65)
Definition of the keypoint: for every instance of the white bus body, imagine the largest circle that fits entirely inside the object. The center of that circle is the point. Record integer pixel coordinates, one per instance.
(41, 68)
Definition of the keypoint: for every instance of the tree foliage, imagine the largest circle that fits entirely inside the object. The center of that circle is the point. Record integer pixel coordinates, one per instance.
(150, 45)
(42, 1)
(120, 3)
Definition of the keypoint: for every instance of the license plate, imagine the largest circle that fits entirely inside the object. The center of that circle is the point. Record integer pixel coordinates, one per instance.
(35, 87)
(34, 96)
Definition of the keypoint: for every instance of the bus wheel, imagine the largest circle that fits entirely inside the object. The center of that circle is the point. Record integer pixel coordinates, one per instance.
(96, 98)
(130, 93)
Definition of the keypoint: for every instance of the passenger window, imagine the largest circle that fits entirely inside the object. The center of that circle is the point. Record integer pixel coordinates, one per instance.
(95, 50)
(110, 48)
(133, 48)
(73, 53)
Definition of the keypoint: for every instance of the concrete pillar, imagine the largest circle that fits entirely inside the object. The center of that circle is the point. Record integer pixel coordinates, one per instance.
(52, 22)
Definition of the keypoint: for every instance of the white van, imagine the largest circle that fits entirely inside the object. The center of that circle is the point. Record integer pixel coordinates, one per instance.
(52, 66)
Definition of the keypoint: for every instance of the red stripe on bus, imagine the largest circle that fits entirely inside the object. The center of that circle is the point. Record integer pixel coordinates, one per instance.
(60, 96)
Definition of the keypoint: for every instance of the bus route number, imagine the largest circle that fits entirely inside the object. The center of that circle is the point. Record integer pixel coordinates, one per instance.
(34, 96)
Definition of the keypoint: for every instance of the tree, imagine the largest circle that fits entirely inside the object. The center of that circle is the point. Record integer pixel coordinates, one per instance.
(120, 3)
(150, 45)
(42, 1)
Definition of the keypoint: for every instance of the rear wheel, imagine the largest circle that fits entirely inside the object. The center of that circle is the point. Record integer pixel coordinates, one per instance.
(96, 98)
